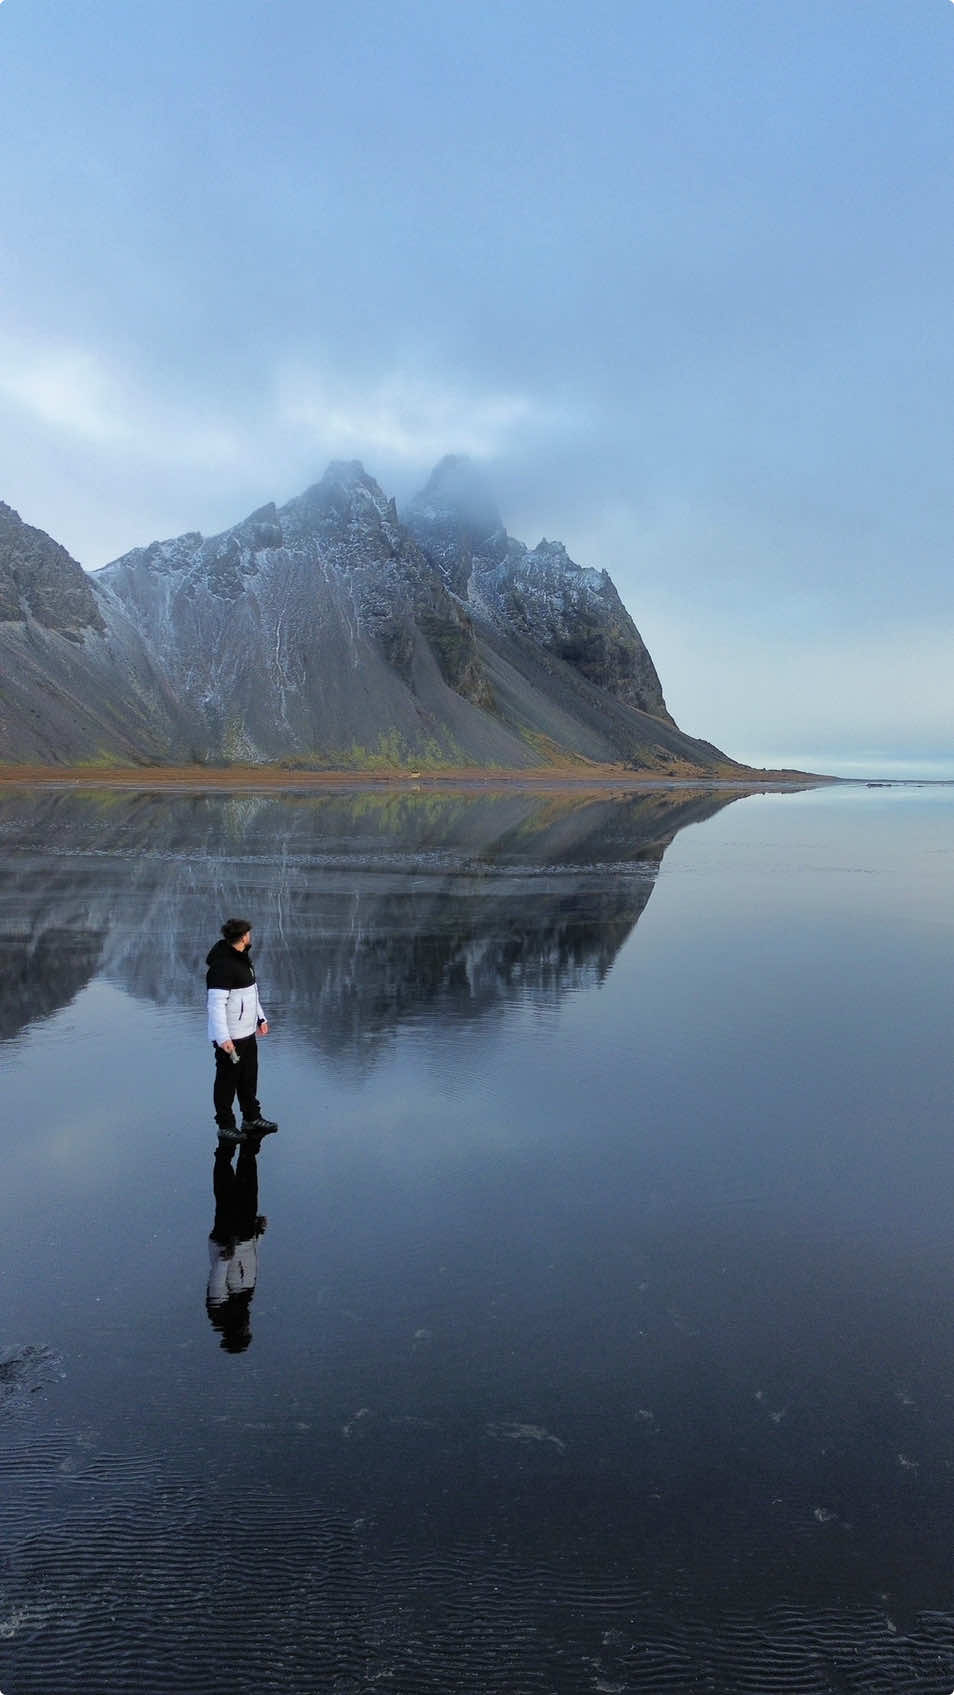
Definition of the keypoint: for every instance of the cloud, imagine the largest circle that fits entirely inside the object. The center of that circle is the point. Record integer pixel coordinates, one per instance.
(79, 394)
(92, 442)
(405, 416)
(399, 416)
(63, 388)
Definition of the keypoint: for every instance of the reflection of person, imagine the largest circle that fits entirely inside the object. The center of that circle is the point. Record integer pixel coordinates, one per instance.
(235, 1015)
(233, 1244)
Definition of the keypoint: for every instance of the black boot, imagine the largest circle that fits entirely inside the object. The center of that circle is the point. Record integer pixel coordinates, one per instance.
(259, 1126)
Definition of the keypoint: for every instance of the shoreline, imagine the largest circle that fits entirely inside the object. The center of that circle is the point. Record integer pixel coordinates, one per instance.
(245, 779)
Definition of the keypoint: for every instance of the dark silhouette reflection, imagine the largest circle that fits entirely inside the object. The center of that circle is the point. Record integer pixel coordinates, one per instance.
(236, 1231)
(371, 909)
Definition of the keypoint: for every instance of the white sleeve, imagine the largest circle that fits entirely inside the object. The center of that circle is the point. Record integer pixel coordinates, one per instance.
(217, 1289)
(218, 1029)
(260, 1017)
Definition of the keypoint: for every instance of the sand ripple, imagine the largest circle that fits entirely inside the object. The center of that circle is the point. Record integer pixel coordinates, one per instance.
(121, 1575)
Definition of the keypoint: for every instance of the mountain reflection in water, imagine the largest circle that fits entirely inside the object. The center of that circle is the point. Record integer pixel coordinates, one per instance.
(370, 909)
(601, 1331)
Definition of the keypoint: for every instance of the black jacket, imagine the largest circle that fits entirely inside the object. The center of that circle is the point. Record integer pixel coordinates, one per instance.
(228, 969)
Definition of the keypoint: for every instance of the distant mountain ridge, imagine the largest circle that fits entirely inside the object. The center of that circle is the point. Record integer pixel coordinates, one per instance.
(329, 633)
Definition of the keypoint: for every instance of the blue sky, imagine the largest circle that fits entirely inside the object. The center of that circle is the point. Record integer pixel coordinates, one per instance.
(680, 276)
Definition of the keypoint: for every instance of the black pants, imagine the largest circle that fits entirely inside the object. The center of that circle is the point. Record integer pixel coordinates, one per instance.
(236, 1221)
(236, 1196)
(231, 1078)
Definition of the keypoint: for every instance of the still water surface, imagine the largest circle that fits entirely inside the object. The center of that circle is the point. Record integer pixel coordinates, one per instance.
(602, 1336)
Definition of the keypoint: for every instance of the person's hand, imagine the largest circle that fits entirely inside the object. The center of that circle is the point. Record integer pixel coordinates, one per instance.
(263, 1027)
(227, 1047)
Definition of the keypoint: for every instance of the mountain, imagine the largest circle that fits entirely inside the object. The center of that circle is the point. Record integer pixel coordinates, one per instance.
(329, 633)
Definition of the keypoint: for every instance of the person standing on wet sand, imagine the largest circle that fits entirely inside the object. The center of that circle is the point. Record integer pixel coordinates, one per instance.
(236, 1019)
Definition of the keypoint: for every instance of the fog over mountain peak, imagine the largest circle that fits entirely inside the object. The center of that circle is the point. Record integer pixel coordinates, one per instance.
(457, 492)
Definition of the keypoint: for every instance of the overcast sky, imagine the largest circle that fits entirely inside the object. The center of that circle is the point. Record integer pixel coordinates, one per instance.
(679, 273)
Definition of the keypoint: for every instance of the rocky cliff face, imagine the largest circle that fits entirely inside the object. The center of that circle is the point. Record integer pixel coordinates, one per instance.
(327, 632)
(539, 594)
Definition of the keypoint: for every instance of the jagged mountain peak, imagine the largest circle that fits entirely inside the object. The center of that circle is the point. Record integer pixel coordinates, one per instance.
(346, 477)
(347, 472)
(345, 491)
